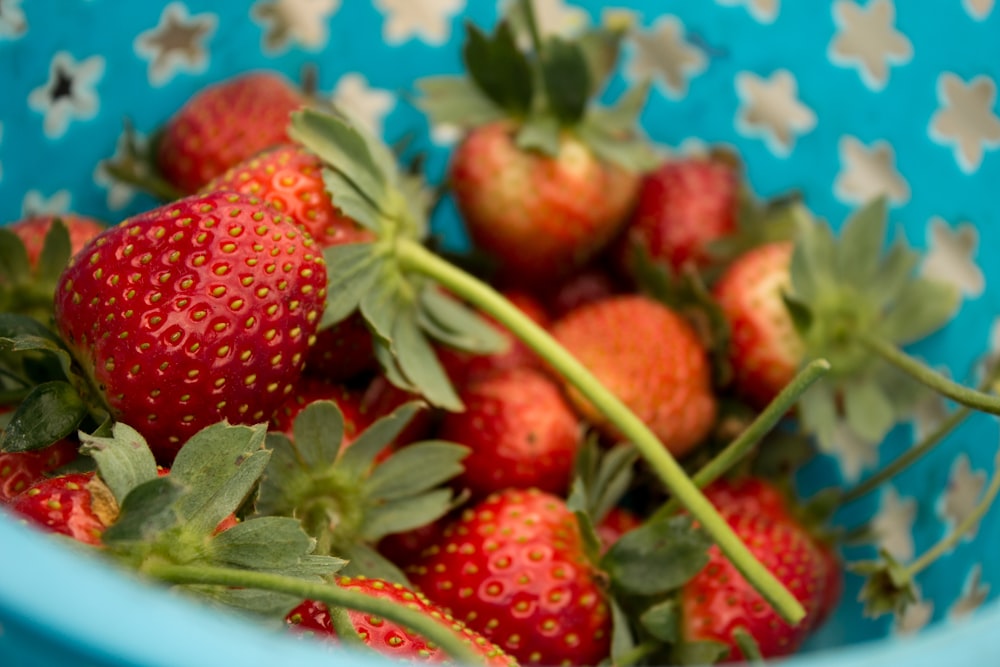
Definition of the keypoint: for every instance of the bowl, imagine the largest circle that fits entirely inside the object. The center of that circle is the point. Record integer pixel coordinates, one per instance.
(839, 102)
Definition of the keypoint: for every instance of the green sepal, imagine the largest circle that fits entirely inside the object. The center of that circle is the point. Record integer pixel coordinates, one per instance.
(662, 621)
(859, 248)
(418, 361)
(868, 410)
(267, 543)
(921, 308)
(818, 414)
(221, 465)
(888, 586)
(358, 459)
(257, 603)
(894, 273)
(657, 557)
(748, 646)
(415, 469)
(451, 322)
(566, 74)
(622, 637)
(352, 268)
(800, 313)
(577, 503)
(365, 561)
(629, 152)
(603, 475)
(601, 47)
(813, 263)
(50, 412)
(499, 68)
(147, 512)
(540, 132)
(455, 100)
(14, 266)
(402, 514)
(123, 459)
(351, 201)
(390, 366)
(698, 653)
(56, 253)
(318, 430)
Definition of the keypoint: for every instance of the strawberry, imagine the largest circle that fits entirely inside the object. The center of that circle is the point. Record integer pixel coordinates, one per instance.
(513, 568)
(78, 505)
(224, 124)
(192, 313)
(380, 397)
(590, 284)
(765, 350)
(651, 359)
(521, 431)
(32, 232)
(19, 470)
(614, 524)
(683, 206)
(388, 638)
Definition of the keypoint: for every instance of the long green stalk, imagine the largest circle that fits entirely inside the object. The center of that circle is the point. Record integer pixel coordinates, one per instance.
(414, 257)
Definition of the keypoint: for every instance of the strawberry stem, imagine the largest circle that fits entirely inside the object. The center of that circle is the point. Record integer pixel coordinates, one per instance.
(758, 428)
(414, 257)
(968, 397)
(418, 622)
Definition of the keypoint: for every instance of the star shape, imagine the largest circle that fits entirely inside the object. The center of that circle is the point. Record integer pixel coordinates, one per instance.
(763, 11)
(853, 453)
(914, 617)
(950, 254)
(965, 118)
(973, 594)
(960, 498)
(770, 109)
(365, 105)
(868, 172)
(301, 21)
(35, 203)
(69, 93)
(553, 17)
(663, 55)
(978, 9)
(892, 525)
(430, 20)
(868, 40)
(176, 43)
(12, 21)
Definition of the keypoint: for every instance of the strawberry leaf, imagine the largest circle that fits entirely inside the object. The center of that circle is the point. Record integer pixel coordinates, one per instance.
(662, 620)
(861, 240)
(365, 561)
(657, 557)
(56, 251)
(499, 68)
(270, 543)
(358, 459)
(123, 459)
(566, 74)
(49, 413)
(601, 48)
(148, 511)
(698, 653)
(402, 514)
(455, 100)
(622, 117)
(258, 603)
(628, 152)
(419, 363)
(868, 410)
(539, 132)
(818, 413)
(813, 261)
(352, 268)
(415, 469)
(14, 266)
(351, 201)
(577, 503)
(13, 326)
(622, 638)
(888, 586)
(453, 323)
(893, 274)
(922, 307)
(748, 646)
(318, 431)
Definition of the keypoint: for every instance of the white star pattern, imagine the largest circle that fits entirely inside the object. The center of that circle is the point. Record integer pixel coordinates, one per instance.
(853, 453)
(950, 256)
(764, 11)
(12, 22)
(978, 9)
(867, 40)
(965, 118)
(364, 104)
(973, 594)
(445, 134)
(868, 172)
(35, 203)
(662, 55)
(303, 22)
(69, 93)
(553, 17)
(962, 495)
(430, 20)
(893, 525)
(770, 109)
(175, 44)
(915, 617)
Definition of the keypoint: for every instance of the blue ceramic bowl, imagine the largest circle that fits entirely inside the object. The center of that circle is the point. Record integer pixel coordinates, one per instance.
(840, 101)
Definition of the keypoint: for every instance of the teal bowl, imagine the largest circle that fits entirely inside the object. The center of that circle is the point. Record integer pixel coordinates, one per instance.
(838, 101)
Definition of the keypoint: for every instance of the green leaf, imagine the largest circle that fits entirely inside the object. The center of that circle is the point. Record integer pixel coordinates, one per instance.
(54, 351)
(351, 202)
(622, 640)
(628, 152)
(622, 118)
(263, 543)
(49, 413)
(415, 469)
(146, 512)
(253, 601)
(868, 411)
(14, 266)
(657, 557)
(813, 263)
(318, 432)
(923, 307)
(15, 326)
(56, 252)
(357, 459)
(123, 459)
(284, 472)
(699, 653)
(352, 269)
(418, 361)
(390, 366)
(364, 560)
(818, 413)
(450, 321)
(540, 132)
(662, 620)
(601, 48)
(566, 74)
(402, 514)
(748, 646)
(455, 100)
(386, 301)
(861, 240)
(801, 314)
(888, 586)
(220, 464)
(894, 272)
(614, 477)
(577, 503)
(499, 68)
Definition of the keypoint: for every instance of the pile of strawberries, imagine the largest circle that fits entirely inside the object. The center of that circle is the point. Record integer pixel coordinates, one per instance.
(275, 371)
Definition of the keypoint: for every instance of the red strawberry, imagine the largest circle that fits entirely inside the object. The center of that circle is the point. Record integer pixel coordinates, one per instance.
(195, 312)
(77, 504)
(521, 431)
(513, 568)
(32, 231)
(224, 124)
(19, 470)
(683, 206)
(651, 359)
(614, 524)
(540, 217)
(591, 284)
(380, 397)
(387, 638)
(765, 349)
(404, 548)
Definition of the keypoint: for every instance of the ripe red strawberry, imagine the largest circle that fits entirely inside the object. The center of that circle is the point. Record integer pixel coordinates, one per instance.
(19, 470)
(683, 206)
(223, 124)
(540, 217)
(521, 430)
(513, 568)
(195, 312)
(614, 524)
(313, 618)
(651, 359)
(765, 350)
(32, 231)
(78, 505)
(380, 397)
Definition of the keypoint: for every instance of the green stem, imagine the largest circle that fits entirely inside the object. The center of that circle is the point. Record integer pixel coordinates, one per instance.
(451, 642)
(761, 425)
(537, 45)
(968, 397)
(346, 632)
(414, 257)
(961, 529)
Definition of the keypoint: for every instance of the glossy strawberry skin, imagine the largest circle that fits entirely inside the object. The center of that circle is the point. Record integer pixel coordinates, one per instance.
(312, 617)
(77, 505)
(765, 350)
(651, 359)
(540, 217)
(19, 470)
(197, 311)
(224, 124)
(513, 568)
(32, 232)
(521, 431)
